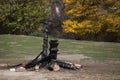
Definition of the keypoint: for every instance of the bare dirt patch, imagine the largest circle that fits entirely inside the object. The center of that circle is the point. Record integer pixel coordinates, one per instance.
(92, 70)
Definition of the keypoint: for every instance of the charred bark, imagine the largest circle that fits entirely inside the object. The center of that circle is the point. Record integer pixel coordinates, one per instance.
(44, 61)
(50, 61)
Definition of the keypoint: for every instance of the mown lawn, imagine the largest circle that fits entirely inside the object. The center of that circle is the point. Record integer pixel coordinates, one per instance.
(16, 46)
(103, 60)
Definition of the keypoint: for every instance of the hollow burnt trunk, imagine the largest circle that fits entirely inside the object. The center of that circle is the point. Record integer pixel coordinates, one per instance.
(51, 61)
(45, 60)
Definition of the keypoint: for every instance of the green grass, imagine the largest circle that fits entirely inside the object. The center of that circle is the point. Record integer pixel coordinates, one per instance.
(97, 50)
(15, 46)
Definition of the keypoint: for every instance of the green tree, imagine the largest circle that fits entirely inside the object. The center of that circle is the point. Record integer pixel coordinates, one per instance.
(22, 16)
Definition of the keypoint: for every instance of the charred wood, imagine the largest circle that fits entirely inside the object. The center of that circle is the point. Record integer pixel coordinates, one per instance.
(68, 65)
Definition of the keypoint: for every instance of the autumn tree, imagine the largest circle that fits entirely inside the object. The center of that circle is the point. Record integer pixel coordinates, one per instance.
(93, 19)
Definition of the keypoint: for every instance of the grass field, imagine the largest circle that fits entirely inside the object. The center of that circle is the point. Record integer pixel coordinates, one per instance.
(102, 62)
(15, 46)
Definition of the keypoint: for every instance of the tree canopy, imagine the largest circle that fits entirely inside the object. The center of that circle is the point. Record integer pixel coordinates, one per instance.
(21, 16)
(93, 19)
(84, 19)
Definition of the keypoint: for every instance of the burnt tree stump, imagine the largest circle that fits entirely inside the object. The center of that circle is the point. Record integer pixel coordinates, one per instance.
(51, 61)
(44, 61)
(53, 49)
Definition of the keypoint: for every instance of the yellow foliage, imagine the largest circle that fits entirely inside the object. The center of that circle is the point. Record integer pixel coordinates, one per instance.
(76, 11)
(81, 28)
(69, 1)
(90, 19)
(69, 26)
(113, 24)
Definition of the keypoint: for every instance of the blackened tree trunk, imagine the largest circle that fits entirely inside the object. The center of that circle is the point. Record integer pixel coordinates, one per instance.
(53, 49)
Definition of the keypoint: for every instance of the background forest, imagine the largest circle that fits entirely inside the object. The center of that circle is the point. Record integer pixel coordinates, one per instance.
(84, 19)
